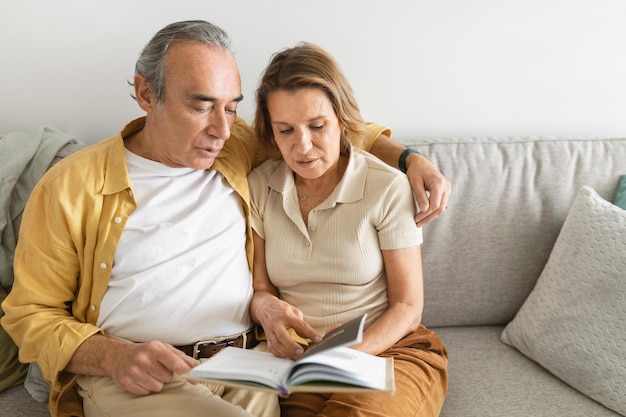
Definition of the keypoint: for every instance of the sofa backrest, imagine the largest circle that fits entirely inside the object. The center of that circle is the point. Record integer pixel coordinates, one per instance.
(510, 197)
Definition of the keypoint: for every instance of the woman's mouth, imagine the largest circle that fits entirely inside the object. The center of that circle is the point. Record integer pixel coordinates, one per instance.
(307, 162)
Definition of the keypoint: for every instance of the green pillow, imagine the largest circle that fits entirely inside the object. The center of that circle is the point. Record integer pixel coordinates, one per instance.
(12, 372)
(620, 193)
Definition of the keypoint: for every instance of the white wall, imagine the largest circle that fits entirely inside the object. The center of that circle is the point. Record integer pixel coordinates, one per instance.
(425, 67)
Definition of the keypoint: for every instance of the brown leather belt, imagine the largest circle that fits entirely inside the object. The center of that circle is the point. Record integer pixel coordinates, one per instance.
(208, 348)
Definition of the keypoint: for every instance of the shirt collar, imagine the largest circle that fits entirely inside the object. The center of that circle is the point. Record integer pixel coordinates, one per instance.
(116, 175)
(350, 188)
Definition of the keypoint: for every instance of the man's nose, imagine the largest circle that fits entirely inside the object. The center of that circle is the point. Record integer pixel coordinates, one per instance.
(218, 124)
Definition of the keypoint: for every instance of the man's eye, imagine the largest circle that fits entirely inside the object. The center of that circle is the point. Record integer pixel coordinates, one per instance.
(231, 111)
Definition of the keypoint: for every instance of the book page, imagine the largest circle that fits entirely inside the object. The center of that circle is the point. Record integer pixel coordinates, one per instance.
(344, 365)
(238, 364)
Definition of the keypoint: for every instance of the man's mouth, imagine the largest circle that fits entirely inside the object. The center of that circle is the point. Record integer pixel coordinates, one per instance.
(209, 152)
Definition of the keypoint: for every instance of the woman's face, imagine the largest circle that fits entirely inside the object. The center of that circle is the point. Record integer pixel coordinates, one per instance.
(306, 130)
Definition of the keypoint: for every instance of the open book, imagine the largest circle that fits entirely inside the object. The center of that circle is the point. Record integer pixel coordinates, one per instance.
(329, 366)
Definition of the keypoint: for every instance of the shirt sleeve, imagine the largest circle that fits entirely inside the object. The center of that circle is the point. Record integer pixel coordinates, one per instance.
(242, 136)
(398, 229)
(375, 130)
(38, 308)
(258, 198)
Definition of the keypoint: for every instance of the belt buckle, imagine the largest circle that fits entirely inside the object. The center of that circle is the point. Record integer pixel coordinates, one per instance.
(198, 345)
(223, 343)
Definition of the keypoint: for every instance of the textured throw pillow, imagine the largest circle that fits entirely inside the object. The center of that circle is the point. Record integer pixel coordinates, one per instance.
(574, 321)
(620, 193)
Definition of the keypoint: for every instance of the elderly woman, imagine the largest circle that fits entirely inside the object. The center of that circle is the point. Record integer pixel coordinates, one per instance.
(334, 238)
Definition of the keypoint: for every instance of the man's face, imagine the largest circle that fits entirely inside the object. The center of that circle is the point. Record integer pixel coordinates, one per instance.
(202, 91)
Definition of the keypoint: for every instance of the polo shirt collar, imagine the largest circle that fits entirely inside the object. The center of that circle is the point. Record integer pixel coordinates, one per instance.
(350, 188)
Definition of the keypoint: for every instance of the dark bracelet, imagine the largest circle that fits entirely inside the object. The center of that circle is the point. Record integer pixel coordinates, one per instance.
(403, 155)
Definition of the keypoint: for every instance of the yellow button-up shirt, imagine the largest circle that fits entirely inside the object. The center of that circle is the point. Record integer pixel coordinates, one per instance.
(70, 230)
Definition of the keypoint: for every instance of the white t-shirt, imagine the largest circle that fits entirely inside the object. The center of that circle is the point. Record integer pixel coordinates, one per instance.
(180, 272)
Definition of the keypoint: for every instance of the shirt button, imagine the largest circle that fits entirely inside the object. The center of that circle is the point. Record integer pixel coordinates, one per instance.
(103, 266)
(118, 220)
(307, 244)
(92, 307)
(130, 193)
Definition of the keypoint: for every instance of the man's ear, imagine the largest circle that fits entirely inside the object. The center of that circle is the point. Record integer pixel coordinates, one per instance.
(143, 94)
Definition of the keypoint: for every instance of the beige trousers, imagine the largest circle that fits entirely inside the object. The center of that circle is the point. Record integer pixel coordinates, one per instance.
(102, 397)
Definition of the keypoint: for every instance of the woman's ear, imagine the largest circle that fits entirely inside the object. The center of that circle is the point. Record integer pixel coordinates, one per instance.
(143, 94)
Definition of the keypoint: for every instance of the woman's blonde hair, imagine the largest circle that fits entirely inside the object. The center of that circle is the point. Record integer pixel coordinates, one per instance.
(308, 66)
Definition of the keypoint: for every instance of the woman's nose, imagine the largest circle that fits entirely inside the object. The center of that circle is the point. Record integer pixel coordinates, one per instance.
(303, 142)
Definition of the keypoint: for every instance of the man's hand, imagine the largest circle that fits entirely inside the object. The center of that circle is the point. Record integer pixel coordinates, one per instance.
(431, 189)
(139, 368)
(143, 368)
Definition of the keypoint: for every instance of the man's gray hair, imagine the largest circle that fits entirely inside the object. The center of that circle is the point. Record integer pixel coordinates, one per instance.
(151, 62)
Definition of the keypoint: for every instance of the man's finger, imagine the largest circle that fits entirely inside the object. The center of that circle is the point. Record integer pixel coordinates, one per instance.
(422, 219)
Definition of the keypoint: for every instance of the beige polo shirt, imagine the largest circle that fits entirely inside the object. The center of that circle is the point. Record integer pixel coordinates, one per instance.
(333, 269)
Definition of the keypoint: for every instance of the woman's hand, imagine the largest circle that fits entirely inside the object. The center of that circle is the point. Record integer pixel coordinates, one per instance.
(277, 318)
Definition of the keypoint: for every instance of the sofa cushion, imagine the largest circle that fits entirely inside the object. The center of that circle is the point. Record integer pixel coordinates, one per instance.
(489, 378)
(17, 402)
(510, 197)
(574, 321)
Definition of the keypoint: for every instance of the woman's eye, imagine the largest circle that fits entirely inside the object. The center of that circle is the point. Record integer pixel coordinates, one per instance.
(317, 127)
(285, 131)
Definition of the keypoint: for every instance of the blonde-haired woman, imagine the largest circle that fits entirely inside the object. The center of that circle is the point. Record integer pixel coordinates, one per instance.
(335, 237)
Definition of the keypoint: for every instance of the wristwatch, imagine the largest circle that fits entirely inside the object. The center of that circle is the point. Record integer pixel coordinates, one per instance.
(403, 155)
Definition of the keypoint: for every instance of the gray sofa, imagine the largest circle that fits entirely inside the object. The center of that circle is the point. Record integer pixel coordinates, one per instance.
(483, 258)
(510, 200)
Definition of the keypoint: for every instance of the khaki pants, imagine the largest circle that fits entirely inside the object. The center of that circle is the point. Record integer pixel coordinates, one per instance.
(103, 397)
(421, 377)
